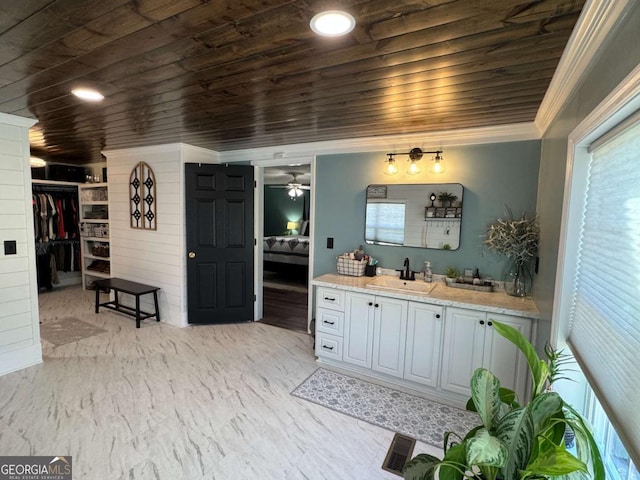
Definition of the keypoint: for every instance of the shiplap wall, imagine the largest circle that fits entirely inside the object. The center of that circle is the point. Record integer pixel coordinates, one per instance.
(151, 257)
(19, 316)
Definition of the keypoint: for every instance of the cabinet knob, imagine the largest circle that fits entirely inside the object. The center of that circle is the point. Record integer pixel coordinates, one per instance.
(481, 322)
(437, 315)
(192, 255)
(490, 323)
(370, 303)
(376, 305)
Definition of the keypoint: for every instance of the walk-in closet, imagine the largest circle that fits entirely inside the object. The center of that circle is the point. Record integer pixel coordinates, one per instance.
(57, 234)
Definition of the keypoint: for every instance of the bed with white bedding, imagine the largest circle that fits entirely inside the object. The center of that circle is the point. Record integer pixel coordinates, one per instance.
(289, 249)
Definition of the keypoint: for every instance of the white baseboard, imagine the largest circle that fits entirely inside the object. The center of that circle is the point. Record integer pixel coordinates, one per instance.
(21, 358)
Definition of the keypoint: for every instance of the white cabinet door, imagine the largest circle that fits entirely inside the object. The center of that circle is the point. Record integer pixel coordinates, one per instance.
(462, 348)
(358, 329)
(470, 342)
(503, 358)
(389, 335)
(423, 347)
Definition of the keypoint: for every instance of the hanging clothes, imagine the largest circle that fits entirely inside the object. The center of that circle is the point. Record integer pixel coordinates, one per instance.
(55, 216)
(56, 230)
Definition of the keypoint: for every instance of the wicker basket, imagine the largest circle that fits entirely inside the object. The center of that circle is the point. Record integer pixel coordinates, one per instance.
(348, 266)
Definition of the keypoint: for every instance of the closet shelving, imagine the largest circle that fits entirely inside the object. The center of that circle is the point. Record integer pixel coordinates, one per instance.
(94, 232)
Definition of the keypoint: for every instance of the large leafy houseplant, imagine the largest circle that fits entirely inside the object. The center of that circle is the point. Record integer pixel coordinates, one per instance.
(516, 441)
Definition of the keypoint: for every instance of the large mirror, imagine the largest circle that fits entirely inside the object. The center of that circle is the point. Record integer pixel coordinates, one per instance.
(417, 215)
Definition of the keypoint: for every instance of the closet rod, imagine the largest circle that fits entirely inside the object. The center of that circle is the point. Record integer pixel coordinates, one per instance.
(44, 188)
(61, 241)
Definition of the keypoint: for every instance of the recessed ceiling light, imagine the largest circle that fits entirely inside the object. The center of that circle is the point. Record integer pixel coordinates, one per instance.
(37, 162)
(88, 94)
(332, 23)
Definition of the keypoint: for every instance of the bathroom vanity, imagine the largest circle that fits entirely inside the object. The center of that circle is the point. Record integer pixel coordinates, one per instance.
(426, 337)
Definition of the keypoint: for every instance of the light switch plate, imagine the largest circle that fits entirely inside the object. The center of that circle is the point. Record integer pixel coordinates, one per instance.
(10, 247)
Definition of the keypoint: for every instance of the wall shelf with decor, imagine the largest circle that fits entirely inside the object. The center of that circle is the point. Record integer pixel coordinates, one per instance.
(438, 213)
(94, 232)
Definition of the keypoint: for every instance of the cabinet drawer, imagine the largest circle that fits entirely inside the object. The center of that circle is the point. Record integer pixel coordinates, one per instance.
(329, 346)
(329, 321)
(330, 298)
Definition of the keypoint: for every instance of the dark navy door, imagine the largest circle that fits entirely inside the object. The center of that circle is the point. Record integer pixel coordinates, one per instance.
(219, 214)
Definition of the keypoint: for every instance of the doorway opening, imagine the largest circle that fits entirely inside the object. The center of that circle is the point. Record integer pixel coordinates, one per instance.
(286, 246)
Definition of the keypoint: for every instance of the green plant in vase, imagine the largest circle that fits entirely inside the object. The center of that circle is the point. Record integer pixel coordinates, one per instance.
(451, 273)
(517, 239)
(513, 441)
(445, 197)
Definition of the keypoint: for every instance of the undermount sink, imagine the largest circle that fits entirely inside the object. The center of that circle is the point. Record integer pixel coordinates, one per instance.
(404, 286)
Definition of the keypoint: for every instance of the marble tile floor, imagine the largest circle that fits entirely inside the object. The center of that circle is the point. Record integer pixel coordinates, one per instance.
(160, 402)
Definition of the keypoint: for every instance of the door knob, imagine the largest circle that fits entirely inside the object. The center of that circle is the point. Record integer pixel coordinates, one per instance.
(192, 254)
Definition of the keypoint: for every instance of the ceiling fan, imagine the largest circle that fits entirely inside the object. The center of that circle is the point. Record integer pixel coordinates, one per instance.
(295, 188)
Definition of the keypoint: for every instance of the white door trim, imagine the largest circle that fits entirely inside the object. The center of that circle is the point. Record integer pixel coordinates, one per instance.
(259, 166)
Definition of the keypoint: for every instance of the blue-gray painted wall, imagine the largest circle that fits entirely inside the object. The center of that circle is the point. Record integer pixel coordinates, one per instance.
(493, 175)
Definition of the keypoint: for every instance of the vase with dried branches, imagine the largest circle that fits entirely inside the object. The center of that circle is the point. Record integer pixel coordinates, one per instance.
(517, 239)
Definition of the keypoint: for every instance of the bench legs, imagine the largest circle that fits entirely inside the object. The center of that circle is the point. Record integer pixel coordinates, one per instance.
(97, 300)
(155, 301)
(137, 311)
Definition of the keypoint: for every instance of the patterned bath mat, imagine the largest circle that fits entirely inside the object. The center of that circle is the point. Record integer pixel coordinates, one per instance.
(385, 407)
(68, 330)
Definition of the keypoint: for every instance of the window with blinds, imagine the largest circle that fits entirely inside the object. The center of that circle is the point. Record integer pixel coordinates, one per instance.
(385, 223)
(604, 323)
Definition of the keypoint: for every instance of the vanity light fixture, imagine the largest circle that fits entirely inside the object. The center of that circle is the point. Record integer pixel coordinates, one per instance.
(437, 166)
(415, 155)
(332, 23)
(88, 94)
(390, 165)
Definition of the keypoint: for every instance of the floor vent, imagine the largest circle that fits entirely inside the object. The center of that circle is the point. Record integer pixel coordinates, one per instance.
(399, 452)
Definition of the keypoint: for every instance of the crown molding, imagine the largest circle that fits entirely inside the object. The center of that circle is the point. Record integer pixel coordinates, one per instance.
(9, 119)
(472, 136)
(619, 105)
(598, 19)
(193, 154)
(190, 153)
(147, 150)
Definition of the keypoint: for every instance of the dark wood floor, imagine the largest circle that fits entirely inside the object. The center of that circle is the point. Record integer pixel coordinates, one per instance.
(286, 309)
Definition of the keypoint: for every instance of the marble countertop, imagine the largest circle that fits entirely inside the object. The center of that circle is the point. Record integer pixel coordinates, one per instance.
(494, 302)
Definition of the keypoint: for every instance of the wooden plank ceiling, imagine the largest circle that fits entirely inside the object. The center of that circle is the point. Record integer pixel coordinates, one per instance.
(229, 74)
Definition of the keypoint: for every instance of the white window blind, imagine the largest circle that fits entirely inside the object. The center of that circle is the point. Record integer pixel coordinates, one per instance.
(604, 332)
(385, 223)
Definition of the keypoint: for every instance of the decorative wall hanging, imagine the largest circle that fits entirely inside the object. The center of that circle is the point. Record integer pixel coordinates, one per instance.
(142, 197)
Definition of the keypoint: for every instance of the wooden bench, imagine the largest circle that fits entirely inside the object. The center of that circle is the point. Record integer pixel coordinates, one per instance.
(119, 285)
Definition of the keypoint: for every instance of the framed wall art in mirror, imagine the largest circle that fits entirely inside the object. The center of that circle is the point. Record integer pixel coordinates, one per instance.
(414, 215)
